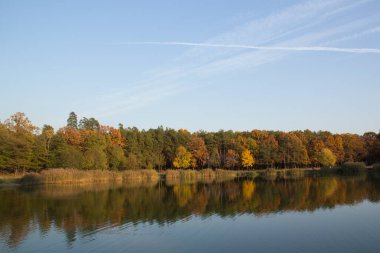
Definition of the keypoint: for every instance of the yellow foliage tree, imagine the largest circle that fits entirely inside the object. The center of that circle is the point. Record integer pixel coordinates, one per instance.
(247, 159)
(183, 158)
(326, 157)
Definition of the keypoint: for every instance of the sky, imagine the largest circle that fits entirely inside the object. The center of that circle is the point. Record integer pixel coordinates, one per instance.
(199, 65)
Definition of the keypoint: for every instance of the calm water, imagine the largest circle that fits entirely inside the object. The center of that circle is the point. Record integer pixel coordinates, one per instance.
(313, 214)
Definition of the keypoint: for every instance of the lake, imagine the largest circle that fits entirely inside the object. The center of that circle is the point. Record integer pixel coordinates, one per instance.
(309, 214)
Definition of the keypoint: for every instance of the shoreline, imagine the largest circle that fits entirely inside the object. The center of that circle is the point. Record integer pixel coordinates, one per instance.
(171, 176)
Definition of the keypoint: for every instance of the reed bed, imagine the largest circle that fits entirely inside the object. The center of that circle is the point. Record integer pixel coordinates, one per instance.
(10, 178)
(131, 177)
(296, 173)
(192, 176)
(74, 176)
(229, 174)
(140, 176)
(273, 174)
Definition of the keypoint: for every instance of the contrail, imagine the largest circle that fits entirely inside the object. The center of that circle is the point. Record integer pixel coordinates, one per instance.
(272, 48)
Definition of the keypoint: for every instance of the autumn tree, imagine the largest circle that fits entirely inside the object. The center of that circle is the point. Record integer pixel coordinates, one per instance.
(326, 157)
(332, 142)
(20, 124)
(372, 143)
(182, 158)
(71, 136)
(291, 149)
(247, 160)
(338, 148)
(114, 144)
(314, 148)
(214, 160)
(354, 148)
(299, 155)
(198, 150)
(231, 159)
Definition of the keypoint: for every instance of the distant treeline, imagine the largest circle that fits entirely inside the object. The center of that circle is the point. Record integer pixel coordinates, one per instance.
(85, 144)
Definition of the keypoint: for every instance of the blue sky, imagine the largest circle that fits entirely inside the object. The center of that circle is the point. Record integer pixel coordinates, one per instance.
(87, 56)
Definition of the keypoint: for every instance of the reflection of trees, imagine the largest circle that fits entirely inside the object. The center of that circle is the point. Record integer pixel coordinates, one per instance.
(248, 188)
(183, 193)
(14, 222)
(81, 211)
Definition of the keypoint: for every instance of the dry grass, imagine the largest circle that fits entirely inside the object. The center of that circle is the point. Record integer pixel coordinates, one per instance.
(74, 176)
(296, 173)
(132, 177)
(272, 174)
(10, 178)
(269, 174)
(228, 174)
(192, 176)
(140, 176)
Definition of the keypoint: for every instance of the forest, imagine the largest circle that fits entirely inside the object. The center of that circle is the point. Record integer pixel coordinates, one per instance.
(86, 144)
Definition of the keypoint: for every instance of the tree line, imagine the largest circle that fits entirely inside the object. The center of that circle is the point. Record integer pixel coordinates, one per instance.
(86, 144)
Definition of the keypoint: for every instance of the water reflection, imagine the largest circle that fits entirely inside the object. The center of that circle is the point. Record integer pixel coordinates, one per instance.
(87, 210)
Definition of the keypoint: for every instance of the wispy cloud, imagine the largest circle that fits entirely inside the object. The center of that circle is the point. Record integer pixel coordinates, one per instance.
(312, 26)
(356, 35)
(274, 48)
